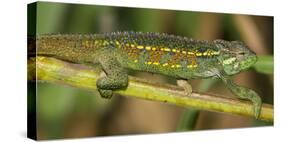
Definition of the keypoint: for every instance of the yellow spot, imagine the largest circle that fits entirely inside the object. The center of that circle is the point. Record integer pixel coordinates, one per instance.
(105, 43)
(135, 61)
(167, 49)
(229, 61)
(156, 63)
(117, 42)
(178, 51)
(127, 44)
(199, 54)
(174, 50)
(147, 47)
(178, 66)
(132, 45)
(173, 66)
(166, 64)
(184, 52)
(86, 43)
(205, 54)
(190, 53)
(161, 49)
(216, 53)
(191, 66)
(149, 63)
(96, 42)
(153, 48)
(140, 47)
(210, 52)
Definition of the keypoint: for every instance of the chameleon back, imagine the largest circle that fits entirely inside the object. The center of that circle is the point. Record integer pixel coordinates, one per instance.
(170, 55)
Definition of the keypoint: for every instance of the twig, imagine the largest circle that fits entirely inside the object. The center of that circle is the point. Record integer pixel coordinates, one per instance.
(56, 71)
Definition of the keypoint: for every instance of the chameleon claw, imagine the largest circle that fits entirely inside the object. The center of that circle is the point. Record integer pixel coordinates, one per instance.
(245, 93)
(107, 94)
(257, 104)
(186, 86)
(257, 110)
(254, 98)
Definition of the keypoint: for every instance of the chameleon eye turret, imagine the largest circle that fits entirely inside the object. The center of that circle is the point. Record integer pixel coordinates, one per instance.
(244, 55)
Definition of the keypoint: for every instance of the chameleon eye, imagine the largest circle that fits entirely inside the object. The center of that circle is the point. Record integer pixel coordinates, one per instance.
(241, 53)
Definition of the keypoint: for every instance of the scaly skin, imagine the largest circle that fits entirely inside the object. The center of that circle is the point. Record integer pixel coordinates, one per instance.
(175, 56)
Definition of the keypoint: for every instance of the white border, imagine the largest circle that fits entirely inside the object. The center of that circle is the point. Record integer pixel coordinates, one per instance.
(13, 68)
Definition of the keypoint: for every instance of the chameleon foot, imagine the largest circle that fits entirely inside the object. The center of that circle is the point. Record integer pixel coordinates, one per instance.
(186, 86)
(107, 94)
(116, 76)
(245, 93)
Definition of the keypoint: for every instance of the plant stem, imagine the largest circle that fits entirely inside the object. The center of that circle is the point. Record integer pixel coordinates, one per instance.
(188, 120)
(56, 71)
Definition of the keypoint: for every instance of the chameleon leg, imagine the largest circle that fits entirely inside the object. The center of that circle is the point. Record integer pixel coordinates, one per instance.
(244, 93)
(116, 76)
(185, 85)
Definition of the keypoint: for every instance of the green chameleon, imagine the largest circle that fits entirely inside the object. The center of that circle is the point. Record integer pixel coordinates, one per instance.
(179, 57)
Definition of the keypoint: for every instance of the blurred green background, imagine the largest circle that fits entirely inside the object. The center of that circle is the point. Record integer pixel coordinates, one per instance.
(66, 112)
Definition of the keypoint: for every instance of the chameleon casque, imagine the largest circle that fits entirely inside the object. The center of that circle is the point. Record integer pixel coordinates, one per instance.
(179, 57)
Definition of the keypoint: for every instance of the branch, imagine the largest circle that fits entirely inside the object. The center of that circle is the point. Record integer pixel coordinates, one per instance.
(56, 71)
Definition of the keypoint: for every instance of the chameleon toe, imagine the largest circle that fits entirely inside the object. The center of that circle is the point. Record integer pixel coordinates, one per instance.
(107, 94)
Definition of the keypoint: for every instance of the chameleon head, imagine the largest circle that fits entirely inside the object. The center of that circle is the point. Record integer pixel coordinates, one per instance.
(235, 56)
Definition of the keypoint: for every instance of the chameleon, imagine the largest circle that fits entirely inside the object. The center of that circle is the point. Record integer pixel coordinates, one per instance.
(175, 56)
